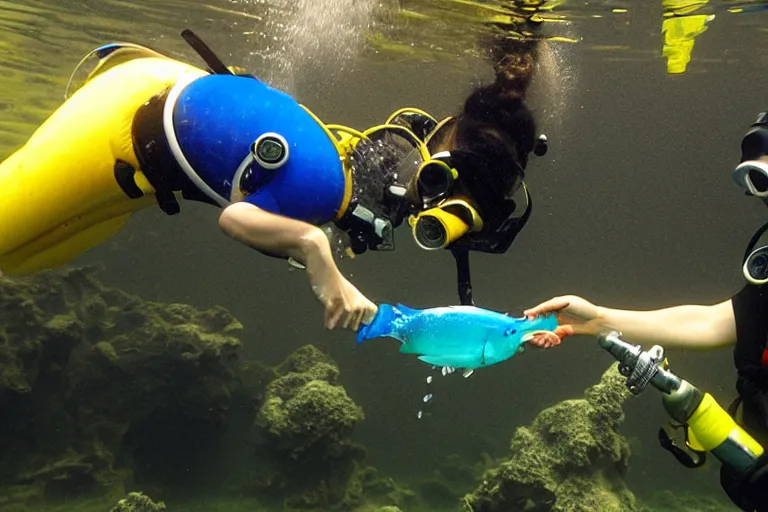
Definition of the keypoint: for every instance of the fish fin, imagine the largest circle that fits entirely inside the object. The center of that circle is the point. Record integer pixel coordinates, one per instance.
(485, 344)
(384, 325)
(433, 360)
(467, 373)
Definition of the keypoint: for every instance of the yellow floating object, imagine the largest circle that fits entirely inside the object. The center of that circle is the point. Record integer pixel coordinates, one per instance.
(679, 34)
(58, 193)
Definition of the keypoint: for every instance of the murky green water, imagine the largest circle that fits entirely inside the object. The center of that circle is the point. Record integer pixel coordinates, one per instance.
(634, 203)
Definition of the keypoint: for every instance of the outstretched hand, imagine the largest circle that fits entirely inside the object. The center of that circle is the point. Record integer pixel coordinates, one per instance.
(345, 307)
(575, 315)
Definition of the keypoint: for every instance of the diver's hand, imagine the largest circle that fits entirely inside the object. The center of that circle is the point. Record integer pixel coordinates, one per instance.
(575, 315)
(344, 305)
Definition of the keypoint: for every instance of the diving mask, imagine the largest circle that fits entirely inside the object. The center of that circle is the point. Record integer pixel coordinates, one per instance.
(752, 173)
(440, 226)
(451, 218)
(435, 178)
(446, 218)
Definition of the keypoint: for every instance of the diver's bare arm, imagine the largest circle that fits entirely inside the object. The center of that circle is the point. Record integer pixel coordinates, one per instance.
(278, 235)
(688, 327)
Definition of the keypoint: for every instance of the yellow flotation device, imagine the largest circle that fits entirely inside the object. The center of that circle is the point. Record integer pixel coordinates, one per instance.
(58, 193)
(680, 30)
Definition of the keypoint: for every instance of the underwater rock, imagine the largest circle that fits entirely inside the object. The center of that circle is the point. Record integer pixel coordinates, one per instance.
(304, 411)
(99, 389)
(95, 384)
(305, 457)
(570, 459)
(137, 502)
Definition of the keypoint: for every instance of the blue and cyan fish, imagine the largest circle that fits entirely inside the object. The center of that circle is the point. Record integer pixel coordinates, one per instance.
(465, 337)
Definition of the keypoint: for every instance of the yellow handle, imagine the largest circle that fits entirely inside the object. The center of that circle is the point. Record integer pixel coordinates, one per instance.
(710, 426)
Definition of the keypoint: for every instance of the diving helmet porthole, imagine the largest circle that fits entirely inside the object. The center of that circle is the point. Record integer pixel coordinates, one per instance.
(270, 150)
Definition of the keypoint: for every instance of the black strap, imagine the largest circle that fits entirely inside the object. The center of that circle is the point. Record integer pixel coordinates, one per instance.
(464, 278)
(156, 160)
(502, 240)
(687, 456)
(733, 409)
(202, 49)
(124, 173)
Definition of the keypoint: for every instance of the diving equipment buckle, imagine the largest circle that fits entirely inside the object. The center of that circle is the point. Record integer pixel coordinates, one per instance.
(643, 367)
(366, 230)
(639, 366)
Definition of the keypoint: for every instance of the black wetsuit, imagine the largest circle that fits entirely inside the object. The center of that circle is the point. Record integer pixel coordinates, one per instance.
(750, 307)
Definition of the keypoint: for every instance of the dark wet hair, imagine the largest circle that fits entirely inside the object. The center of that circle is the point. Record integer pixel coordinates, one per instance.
(496, 123)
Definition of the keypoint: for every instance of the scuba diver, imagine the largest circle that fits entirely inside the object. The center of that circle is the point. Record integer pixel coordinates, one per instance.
(145, 129)
(741, 322)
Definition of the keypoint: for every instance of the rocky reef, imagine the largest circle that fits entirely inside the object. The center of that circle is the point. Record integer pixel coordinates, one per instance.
(304, 453)
(570, 459)
(97, 385)
(102, 392)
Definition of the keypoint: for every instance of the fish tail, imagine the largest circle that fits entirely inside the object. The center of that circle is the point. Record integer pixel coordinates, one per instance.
(380, 326)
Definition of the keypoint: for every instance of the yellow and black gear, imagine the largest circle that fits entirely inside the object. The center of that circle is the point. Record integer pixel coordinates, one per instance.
(53, 216)
(708, 427)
